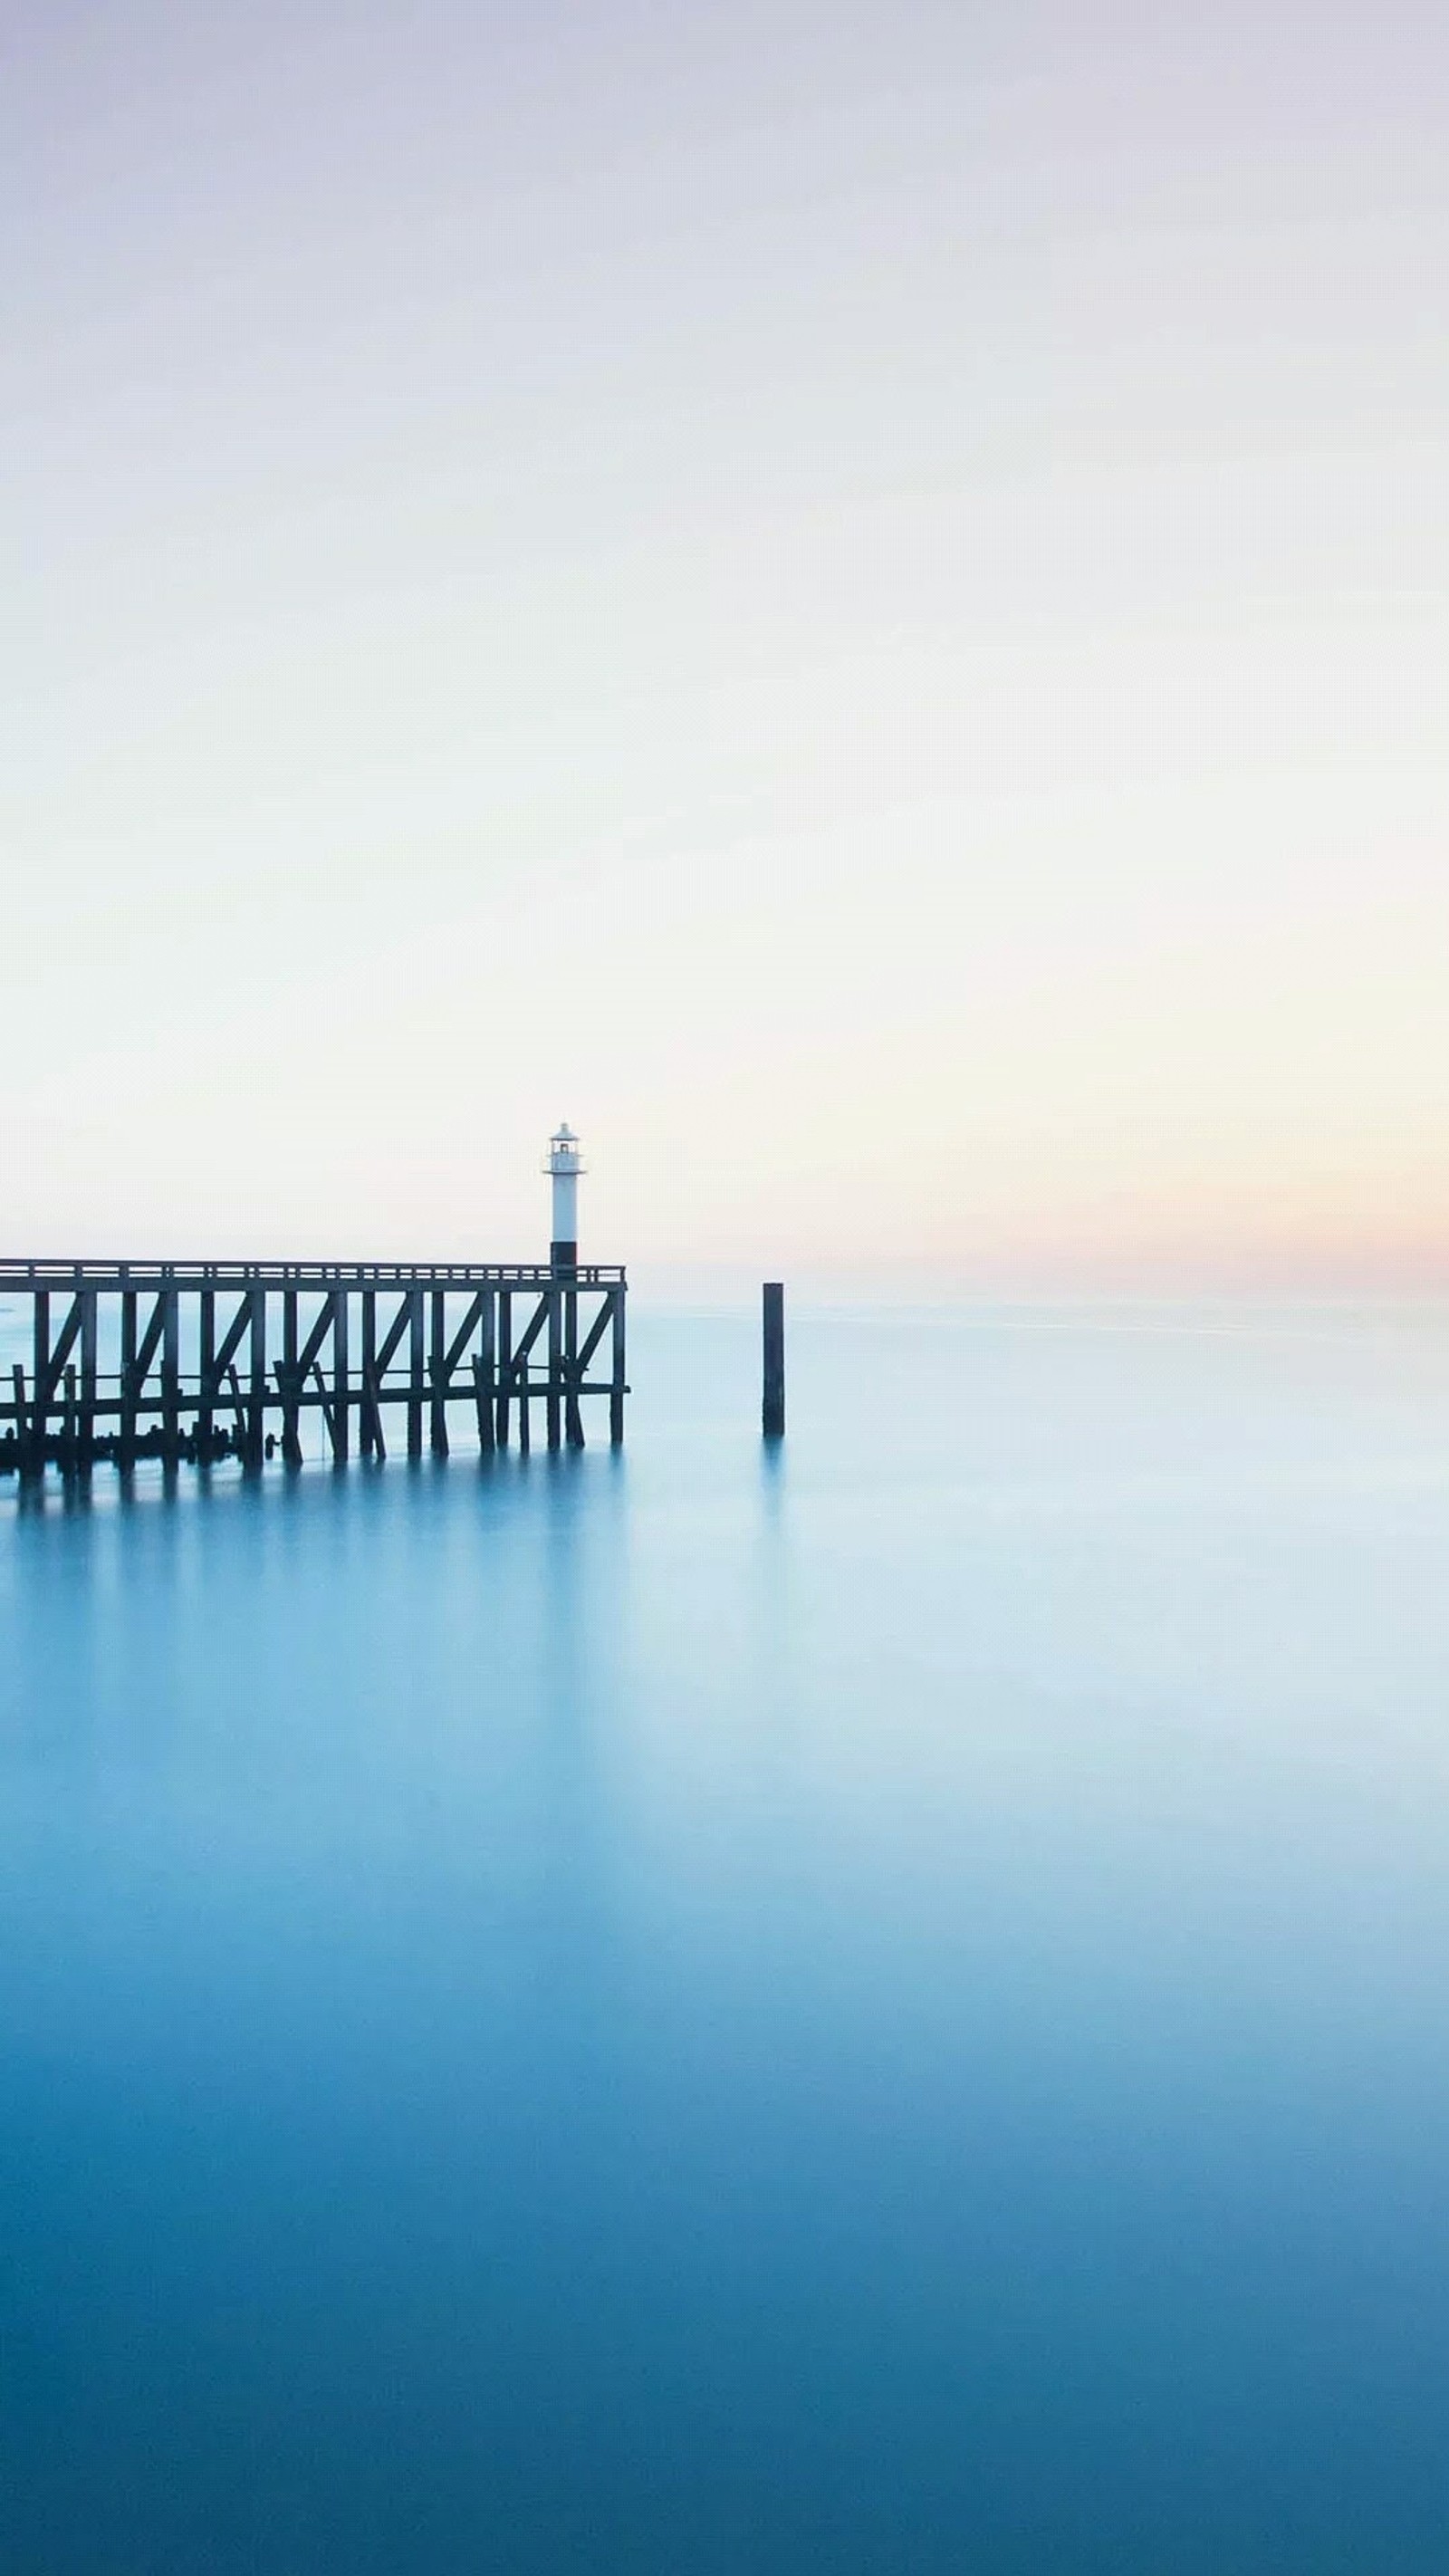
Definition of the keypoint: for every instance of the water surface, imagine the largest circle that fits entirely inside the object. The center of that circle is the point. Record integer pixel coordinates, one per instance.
(877, 2007)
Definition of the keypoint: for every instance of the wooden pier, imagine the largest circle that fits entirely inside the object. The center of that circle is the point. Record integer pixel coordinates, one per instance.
(200, 1361)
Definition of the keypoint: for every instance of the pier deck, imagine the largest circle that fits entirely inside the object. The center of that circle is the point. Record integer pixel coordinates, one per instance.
(199, 1361)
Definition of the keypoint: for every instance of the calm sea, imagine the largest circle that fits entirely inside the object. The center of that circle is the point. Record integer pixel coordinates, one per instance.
(878, 2008)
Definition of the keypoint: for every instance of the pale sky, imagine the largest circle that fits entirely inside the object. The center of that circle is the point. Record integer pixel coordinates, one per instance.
(852, 597)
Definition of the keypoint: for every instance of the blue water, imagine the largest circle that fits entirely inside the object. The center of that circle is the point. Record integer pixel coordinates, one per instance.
(883, 2008)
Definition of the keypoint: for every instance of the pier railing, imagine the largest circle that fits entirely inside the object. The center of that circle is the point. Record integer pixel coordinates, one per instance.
(300, 1274)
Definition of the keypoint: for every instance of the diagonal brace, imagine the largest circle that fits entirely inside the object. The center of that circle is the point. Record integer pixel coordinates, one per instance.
(390, 1340)
(55, 1365)
(463, 1336)
(519, 1359)
(594, 1337)
(231, 1344)
(150, 1344)
(318, 1334)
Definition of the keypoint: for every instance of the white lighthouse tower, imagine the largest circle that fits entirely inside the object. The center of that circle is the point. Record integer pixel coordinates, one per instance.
(565, 1166)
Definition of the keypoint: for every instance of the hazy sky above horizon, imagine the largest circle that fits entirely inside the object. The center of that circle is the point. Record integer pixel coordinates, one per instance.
(853, 598)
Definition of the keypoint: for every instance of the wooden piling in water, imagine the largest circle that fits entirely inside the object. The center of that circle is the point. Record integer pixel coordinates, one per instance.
(772, 1407)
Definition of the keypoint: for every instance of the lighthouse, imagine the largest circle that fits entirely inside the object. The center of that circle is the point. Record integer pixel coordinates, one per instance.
(564, 1166)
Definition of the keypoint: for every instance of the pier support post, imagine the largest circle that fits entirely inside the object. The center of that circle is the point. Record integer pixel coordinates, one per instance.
(257, 1352)
(438, 1371)
(484, 1373)
(170, 1378)
(505, 1361)
(39, 1410)
(772, 1410)
(616, 1374)
(340, 1443)
(22, 1418)
(88, 1337)
(415, 1372)
(555, 1364)
(126, 1439)
(206, 1374)
(367, 1422)
(290, 1381)
(573, 1411)
(341, 1397)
